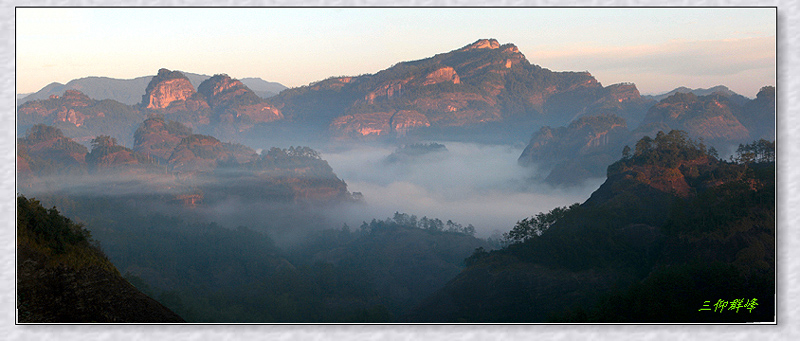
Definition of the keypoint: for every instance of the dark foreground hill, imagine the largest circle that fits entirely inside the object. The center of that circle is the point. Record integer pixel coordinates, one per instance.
(63, 278)
(672, 231)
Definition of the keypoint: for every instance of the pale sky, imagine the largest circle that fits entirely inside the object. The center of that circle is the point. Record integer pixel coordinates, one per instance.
(658, 49)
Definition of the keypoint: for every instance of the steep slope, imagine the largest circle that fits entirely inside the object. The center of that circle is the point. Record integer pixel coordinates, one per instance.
(221, 106)
(108, 157)
(577, 152)
(63, 278)
(484, 84)
(758, 115)
(671, 228)
(235, 107)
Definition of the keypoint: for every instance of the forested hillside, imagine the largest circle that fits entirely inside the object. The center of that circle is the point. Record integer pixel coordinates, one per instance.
(64, 277)
(672, 227)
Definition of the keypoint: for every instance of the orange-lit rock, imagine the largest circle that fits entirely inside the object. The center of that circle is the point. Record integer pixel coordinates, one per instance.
(165, 88)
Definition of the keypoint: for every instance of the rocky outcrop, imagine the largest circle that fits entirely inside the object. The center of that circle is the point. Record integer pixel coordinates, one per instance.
(481, 44)
(80, 117)
(480, 84)
(108, 156)
(165, 88)
(157, 137)
(708, 117)
(45, 151)
(364, 124)
(623, 92)
(404, 121)
(235, 107)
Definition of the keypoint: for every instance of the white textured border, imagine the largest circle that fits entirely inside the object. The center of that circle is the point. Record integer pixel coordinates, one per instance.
(788, 215)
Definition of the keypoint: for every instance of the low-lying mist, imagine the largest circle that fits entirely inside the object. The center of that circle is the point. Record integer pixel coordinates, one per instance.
(467, 183)
(470, 183)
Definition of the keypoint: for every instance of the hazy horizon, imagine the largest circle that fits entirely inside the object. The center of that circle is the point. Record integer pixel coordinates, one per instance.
(735, 47)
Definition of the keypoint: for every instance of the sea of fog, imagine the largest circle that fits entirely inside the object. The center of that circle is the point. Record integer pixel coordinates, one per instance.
(471, 183)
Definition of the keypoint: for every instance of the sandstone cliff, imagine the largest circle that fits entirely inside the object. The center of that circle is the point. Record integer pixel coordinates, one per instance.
(165, 88)
(485, 84)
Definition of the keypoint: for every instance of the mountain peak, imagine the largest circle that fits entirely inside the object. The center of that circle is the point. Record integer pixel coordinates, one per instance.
(166, 87)
(482, 44)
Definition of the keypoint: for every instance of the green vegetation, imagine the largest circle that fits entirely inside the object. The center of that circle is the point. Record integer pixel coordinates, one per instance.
(209, 273)
(642, 254)
(536, 225)
(63, 276)
(52, 234)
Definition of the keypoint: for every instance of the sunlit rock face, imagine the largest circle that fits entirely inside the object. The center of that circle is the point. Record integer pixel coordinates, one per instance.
(482, 44)
(623, 92)
(165, 88)
(483, 83)
(376, 124)
(235, 104)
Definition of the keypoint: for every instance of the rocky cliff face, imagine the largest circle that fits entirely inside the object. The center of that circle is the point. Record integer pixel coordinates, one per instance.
(165, 88)
(235, 108)
(198, 153)
(220, 105)
(482, 83)
(108, 156)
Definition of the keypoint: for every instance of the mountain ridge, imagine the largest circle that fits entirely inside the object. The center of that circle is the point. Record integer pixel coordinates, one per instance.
(129, 91)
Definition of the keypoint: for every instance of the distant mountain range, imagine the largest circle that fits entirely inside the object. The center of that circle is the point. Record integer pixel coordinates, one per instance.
(721, 89)
(130, 91)
(482, 92)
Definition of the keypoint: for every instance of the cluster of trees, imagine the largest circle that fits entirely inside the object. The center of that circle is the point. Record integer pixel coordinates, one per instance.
(47, 227)
(716, 244)
(291, 152)
(406, 221)
(666, 149)
(410, 151)
(536, 225)
(206, 272)
(760, 151)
